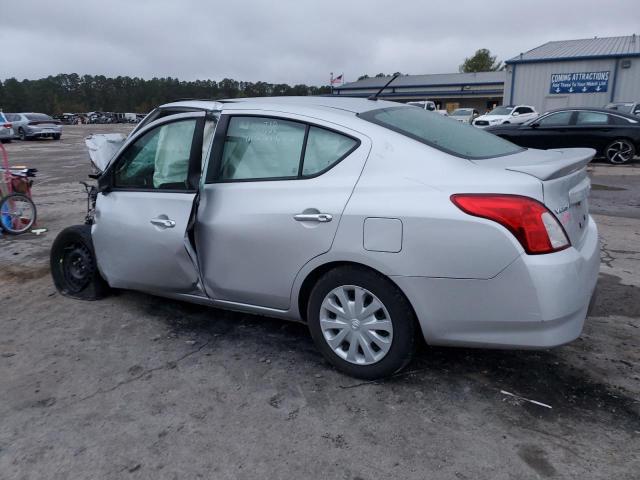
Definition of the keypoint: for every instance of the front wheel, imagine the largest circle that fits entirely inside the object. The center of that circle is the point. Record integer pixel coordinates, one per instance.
(73, 265)
(362, 323)
(17, 213)
(57, 136)
(620, 151)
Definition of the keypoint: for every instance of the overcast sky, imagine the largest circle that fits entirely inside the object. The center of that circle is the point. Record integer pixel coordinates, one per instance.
(286, 41)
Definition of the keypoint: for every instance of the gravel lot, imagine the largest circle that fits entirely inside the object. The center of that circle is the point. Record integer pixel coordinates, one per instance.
(140, 387)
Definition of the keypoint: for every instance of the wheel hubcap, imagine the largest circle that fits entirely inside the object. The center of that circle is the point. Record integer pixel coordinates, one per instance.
(356, 325)
(620, 152)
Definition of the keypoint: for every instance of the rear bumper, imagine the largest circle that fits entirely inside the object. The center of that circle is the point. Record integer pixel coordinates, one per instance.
(538, 301)
(42, 132)
(6, 133)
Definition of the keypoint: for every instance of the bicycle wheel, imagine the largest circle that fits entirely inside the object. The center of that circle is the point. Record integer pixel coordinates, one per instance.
(17, 213)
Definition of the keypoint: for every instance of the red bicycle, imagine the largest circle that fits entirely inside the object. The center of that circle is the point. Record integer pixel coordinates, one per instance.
(17, 210)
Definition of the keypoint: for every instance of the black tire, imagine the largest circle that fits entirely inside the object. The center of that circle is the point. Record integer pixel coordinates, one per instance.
(620, 152)
(6, 140)
(57, 136)
(403, 319)
(22, 135)
(73, 265)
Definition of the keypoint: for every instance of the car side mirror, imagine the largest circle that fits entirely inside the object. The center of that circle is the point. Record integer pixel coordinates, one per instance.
(515, 114)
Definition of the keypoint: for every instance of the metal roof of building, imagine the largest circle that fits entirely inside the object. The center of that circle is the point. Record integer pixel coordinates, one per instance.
(433, 80)
(580, 49)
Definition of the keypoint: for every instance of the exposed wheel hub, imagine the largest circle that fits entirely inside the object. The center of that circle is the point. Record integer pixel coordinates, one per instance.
(77, 267)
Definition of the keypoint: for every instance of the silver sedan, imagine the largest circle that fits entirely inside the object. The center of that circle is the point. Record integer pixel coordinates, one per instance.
(370, 221)
(27, 126)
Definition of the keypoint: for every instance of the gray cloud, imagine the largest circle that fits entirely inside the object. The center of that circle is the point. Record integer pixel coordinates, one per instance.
(286, 41)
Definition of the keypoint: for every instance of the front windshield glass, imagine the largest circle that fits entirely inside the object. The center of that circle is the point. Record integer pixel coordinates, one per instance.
(501, 111)
(440, 132)
(462, 112)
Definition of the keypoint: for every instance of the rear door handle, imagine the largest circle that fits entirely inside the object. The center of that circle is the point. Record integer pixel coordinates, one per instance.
(163, 222)
(313, 217)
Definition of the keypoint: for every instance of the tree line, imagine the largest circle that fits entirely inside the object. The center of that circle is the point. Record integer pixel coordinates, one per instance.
(75, 93)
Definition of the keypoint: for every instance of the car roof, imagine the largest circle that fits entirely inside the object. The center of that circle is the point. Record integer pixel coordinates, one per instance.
(352, 105)
(599, 110)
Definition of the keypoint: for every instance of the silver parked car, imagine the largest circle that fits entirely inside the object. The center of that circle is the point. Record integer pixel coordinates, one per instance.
(370, 221)
(465, 115)
(27, 126)
(6, 129)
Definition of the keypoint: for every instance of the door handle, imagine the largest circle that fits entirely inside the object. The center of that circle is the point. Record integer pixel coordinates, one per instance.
(163, 222)
(313, 217)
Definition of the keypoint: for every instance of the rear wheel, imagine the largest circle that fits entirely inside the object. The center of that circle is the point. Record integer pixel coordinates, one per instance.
(620, 151)
(361, 322)
(56, 136)
(73, 265)
(21, 134)
(17, 213)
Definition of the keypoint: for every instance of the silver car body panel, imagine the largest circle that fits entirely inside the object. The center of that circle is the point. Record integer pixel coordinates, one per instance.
(157, 259)
(250, 245)
(468, 279)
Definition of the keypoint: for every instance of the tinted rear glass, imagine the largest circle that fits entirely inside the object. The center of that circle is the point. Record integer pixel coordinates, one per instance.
(441, 132)
(38, 117)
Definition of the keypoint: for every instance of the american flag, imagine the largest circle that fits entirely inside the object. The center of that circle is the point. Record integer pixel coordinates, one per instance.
(338, 79)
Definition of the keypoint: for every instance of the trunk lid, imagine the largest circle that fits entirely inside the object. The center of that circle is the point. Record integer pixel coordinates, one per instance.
(565, 183)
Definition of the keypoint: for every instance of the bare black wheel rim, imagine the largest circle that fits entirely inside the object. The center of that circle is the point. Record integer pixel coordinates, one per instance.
(77, 267)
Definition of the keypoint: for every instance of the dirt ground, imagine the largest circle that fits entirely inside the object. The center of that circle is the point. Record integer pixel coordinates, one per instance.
(140, 387)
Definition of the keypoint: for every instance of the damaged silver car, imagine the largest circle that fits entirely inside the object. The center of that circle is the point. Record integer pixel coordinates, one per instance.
(373, 222)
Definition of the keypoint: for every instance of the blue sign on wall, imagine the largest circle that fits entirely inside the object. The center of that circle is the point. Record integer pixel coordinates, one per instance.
(581, 82)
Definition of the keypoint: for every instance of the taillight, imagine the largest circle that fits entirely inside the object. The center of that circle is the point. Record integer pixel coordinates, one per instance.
(7, 125)
(535, 227)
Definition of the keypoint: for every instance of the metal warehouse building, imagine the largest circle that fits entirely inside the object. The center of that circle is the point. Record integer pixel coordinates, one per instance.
(571, 73)
(481, 90)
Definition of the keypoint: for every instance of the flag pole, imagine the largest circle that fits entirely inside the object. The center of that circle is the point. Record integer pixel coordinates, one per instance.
(331, 83)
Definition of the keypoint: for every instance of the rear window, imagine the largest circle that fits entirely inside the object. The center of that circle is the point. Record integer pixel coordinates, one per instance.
(38, 116)
(441, 132)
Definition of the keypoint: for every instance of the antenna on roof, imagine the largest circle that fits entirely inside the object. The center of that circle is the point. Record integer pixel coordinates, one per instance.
(374, 97)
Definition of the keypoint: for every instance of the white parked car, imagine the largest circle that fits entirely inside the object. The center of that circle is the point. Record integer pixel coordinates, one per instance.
(425, 105)
(506, 114)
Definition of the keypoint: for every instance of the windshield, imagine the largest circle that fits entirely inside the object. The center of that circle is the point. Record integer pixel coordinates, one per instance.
(38, 116)
(462, 112)
(501, 111)
(441, 132)
(620, 107)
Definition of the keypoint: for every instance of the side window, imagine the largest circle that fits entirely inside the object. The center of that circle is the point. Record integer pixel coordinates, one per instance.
(159, 159)
(592, 118)
(260, 147)
(556, 119)
(525, 110)
(325, 148)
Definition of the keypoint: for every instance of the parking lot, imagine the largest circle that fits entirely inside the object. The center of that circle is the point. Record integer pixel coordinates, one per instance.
(135, 386)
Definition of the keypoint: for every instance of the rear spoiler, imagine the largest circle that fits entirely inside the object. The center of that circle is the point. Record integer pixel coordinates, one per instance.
(544, 164)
